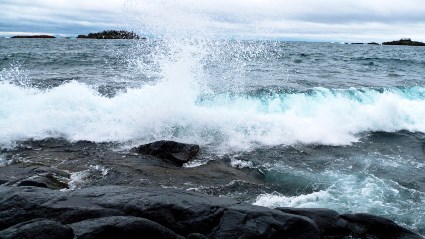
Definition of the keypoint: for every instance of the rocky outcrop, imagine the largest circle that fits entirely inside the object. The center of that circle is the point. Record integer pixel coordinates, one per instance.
(171, 151)
(129, 212)
(111, 34)
(38, 229)
(34, 36)
(361, 225)
(404, 42)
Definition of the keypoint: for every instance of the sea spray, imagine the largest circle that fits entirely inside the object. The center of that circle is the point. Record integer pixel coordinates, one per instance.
(174, 110)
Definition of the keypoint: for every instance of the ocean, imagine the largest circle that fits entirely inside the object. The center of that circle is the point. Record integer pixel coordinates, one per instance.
(329, 125)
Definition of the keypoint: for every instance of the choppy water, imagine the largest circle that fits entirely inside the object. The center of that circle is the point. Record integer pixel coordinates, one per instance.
(336, 126)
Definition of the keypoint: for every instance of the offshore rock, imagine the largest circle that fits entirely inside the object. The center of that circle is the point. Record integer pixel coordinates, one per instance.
(404, 42)
(35, 36)
(128, 212)
(170, 151)
(111, 34)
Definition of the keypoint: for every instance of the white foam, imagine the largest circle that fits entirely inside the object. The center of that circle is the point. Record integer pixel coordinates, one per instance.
(176, 109)
(237, 163)
(78, 179)
(2, 161)
(351, 194)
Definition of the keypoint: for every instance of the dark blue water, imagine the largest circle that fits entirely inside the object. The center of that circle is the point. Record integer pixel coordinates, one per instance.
(333, 125)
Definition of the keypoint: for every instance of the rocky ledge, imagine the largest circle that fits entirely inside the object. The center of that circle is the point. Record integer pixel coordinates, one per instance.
(111, 34)
(404, 42)
(143, 212)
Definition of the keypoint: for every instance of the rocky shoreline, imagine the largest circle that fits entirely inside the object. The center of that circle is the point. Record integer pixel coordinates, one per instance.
(129, 212)
(57, 189)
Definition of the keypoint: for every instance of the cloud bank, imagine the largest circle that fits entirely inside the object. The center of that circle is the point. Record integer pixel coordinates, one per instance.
(322, 20)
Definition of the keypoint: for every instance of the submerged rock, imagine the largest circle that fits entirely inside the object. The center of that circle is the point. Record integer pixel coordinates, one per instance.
(171, 151)
(129, 212)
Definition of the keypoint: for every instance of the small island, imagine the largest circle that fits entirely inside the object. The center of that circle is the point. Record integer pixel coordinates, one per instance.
(111, 34)
(34, 36)
(404, 42)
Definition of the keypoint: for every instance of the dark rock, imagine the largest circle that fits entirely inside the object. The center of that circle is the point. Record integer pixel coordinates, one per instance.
(121, 227)
(32, 183)
(357, 43)
(38, 229)
(373, 43)
(34, 36)
(182, 212)
(196, 236)
(370, 226)
(171, 151)
(123, 212)
(328, 221)
(44, 181)
(404, 42)
(111, 34)
(333, 225)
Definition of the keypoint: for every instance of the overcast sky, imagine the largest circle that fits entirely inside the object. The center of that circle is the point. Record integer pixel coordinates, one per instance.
(313, 20)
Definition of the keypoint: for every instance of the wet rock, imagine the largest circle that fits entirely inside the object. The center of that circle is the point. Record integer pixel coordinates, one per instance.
(105, 212)
(172, 212)
(47, 180)
(121, 227)
(44, 181)
(371, 226)
(196, 236)
(328, 221)
(171, 151)
(333, 225)
(38, 229)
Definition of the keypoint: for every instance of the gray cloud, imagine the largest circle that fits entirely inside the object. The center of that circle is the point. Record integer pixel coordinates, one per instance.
(288, 19)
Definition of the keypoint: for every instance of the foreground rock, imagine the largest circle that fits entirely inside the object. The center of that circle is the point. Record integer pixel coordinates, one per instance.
(112, 34)
(34, 36)
(404, 42)
(171, 151)
(132, 212)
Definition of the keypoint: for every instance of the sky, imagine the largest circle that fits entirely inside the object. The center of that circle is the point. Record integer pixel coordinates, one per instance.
(306, 20)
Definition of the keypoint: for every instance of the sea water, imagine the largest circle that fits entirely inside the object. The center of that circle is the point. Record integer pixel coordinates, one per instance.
(333, 125)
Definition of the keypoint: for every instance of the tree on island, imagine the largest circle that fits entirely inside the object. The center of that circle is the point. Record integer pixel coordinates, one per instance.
(111, 34)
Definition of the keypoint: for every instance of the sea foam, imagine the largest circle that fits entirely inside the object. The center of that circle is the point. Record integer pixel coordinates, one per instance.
(172, 109)
(357, 194)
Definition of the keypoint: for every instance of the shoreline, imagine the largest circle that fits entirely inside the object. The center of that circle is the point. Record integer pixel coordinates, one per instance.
(120, 186)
